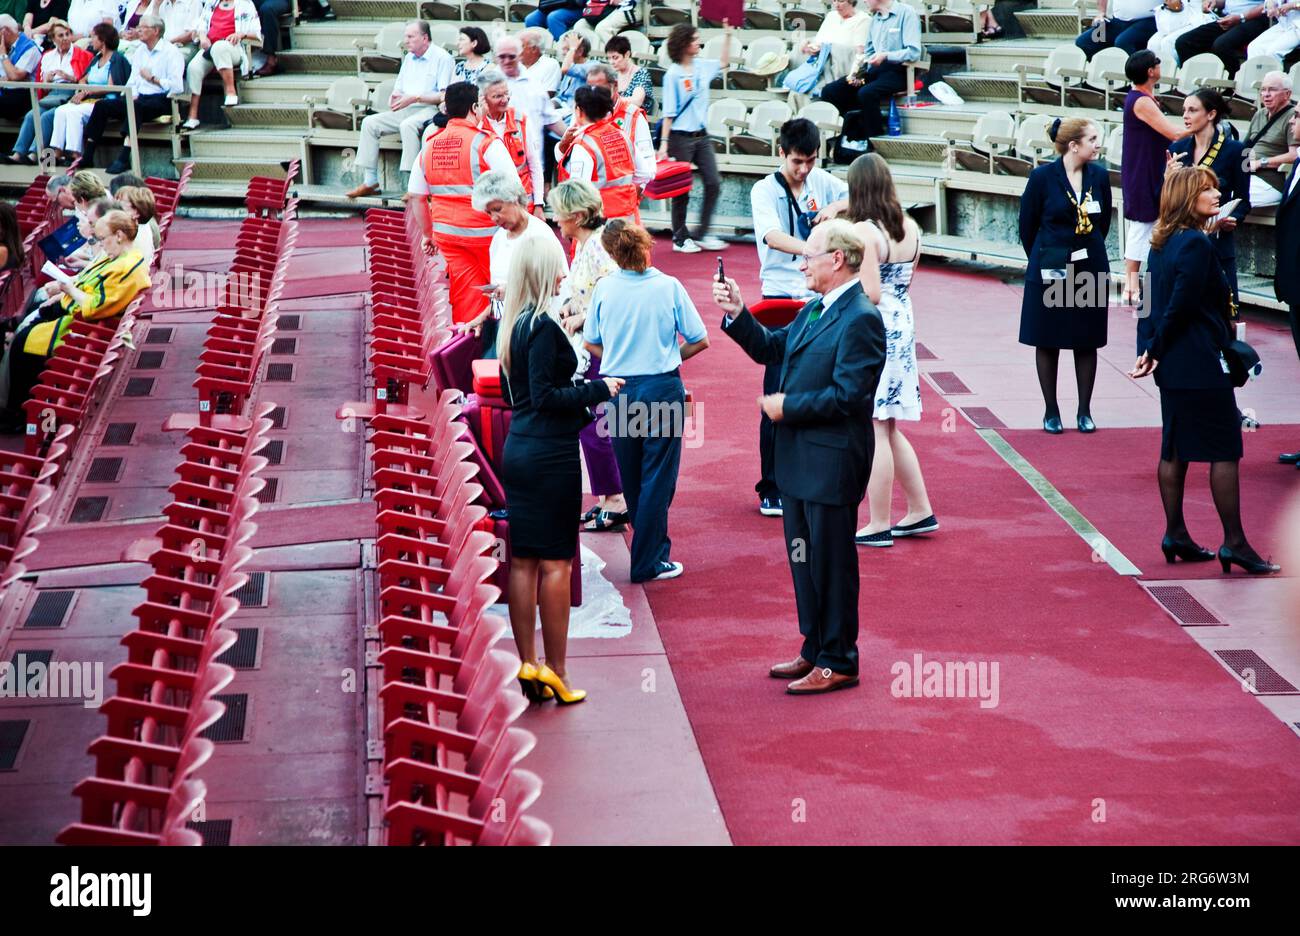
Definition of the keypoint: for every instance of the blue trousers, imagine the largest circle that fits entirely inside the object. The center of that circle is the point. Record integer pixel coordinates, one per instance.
(1129, 35)
(645, 423)
(26, 142)
(557, 21)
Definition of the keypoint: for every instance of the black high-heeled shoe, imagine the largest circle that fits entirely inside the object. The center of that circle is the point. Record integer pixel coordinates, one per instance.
(1185, 550)
(1229, 558)
(1053, 425)
(1086, 424)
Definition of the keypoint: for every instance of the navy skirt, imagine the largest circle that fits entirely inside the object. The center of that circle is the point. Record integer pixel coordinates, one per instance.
(543, 481)
(1200, 425)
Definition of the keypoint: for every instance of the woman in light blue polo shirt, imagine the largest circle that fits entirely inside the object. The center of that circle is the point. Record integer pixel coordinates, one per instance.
(635, 317)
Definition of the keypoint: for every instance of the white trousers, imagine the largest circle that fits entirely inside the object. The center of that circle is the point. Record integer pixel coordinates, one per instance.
(1163, 46)
(602, 32)
(408, 122)
(1278, 40)
(224, 55)
(69, 123)
(1262, 194)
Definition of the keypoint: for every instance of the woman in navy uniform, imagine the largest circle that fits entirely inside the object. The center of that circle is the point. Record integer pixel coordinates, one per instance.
(1214, 146)
(1191, 307)
(1064, 219)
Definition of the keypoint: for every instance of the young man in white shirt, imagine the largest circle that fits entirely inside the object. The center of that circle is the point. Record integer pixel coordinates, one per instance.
(785, 205)
(426, 72)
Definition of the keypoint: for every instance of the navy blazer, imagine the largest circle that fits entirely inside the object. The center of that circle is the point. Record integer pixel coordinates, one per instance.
(1229, 166)
(1286, 234)
(1048, 216)
(830, 369)
(1188, 323)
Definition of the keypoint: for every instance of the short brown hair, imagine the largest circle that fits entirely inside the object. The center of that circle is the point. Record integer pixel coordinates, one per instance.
(679, 40)
(139, 198)
(1067, 131)
(628, 244)
(1183, 185)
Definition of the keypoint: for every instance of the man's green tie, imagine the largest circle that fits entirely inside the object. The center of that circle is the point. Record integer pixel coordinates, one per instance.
(815, 310)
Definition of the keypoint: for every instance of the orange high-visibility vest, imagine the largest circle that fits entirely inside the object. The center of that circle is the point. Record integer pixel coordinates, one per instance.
(515, 138)
(626, 117)
(452, 161)
(612, 154)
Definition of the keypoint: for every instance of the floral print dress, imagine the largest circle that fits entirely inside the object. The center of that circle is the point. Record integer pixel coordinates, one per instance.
(898, 395)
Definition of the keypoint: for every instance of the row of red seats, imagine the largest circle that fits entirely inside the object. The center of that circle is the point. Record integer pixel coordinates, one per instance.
(145, 787)
(447, 697)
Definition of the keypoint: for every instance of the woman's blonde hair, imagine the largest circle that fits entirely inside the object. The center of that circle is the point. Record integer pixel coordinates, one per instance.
(535, 267)
(86, 186)
(1183, 186)
(1067, 131)
(578, 197)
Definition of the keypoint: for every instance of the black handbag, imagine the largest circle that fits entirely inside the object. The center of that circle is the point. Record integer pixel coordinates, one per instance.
(1243, 362)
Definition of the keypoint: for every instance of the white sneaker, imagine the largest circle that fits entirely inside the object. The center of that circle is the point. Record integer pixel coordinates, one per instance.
(670, 571)
(687, 246)
(231, 100)
(712, 243)
(191, 124)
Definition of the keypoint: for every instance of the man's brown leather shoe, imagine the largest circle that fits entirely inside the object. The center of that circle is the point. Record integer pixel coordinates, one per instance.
(795, 669)
(361, 191)
(821, 680)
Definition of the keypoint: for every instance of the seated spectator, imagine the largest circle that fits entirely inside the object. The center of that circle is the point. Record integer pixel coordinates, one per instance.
(472, 49)
(893, 40)
(842, 37)
(181, 24)
(631, 81)
(129, 14)
(59, 191)
(39, 15)
(1271, 143)
(222, 28)
(91, 250)
(108, 67)
(1240, 23)
(64, 63)
(20, 56)
(157, 71)
(86, 189)
(85, 15)
(99, 293)
(11, 238)
(616, 18)
(540, 68)
(601, 154)
(559, 16)
(138, 202)
(131, 180)
(573, 69)
(1281, 38)
(1173, 18)
(1130, 26)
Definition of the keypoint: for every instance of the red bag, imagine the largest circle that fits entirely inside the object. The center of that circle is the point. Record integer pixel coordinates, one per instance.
(672, 177)
(487, 377)
(715, 11)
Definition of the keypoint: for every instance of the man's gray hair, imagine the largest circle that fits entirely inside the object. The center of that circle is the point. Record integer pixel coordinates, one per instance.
(156, 22)
(536, 37)
(1282, 78)
(424, 27)
(489, 76)
(57, 182)
(8, 22)
(839, 235)
(500, 186)
(608, 71)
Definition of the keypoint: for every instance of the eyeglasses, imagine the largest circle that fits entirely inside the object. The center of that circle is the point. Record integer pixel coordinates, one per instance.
(808, 258)
(506, 57)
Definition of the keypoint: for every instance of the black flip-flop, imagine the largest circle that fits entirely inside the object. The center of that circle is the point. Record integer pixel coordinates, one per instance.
(590, 515)
(607, 522)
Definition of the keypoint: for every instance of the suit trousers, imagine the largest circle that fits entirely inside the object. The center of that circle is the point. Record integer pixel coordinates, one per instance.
(766, 486)
(147, 108)
(409, 122)
(824, 565)
(1228, 44)
(882, 82)
(647, 438)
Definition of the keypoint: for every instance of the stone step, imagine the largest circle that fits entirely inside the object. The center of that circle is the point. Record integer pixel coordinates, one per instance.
(339, 34)
(1050, 24)
(283, 89)
(910, 148)
(232, 168)
(1003, 56)
(932, 121)
(338, 61)
(984, 86)
(269, 115)
(237, 144)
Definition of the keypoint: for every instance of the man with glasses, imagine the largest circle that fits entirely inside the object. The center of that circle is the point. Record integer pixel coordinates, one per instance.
(1270, 144)
(536, 112)
(830, 357)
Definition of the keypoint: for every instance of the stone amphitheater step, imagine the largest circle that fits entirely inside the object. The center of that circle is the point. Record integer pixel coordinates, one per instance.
(232, 169)
(388, 11)
(237, 143)
(933, 120)
(1044, 24)
(336, 61)
(268, 115)
(283, 89)
(1003, 56)
(984, 86)
(911, 149)
(339, 34)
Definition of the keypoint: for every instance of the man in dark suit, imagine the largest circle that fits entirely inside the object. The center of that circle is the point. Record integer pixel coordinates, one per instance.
(1286, 278)
(831, 356)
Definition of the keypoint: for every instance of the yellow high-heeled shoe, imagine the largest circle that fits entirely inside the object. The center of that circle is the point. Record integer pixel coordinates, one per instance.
(534, 691)
(563, 694)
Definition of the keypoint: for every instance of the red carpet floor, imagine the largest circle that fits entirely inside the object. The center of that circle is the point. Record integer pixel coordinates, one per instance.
(1107, 709)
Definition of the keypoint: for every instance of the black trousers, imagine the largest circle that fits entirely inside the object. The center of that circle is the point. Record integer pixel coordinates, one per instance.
(694, 148)
(766, 486)
(882, 82)
(269, 12)
(1228, 44)
(15, 103)
(824, 565)
(147, 107)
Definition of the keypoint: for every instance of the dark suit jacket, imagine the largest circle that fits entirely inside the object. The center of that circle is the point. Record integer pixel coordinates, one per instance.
(1229, 166)
(1188, 324)
(1286, 281)
(829, 373)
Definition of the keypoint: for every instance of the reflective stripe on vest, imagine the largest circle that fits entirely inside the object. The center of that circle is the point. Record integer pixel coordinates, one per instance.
(454, 159)
(615, 169)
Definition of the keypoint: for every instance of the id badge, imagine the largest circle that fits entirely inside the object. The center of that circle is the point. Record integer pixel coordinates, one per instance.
(1092, 206)
(1080, 254)
(1223, 362)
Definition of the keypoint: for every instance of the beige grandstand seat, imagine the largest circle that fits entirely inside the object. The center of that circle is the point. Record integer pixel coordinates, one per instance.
(441, 10)
(1044, 83)
(725, 116)
(765, 14)
(1294, 75)
(520, 9)
(345, 101)
(1104, 76)
(1113, 153)
(993, 135)
(764, 122)
(383, 54)
(744, 78)
(1243, 93)
(445, 35)
(828, 121)
(956, 16)
(1191, 75)
(806, 15)
(1031, 145)
(485, 11)
(671, 12)
(642, 50)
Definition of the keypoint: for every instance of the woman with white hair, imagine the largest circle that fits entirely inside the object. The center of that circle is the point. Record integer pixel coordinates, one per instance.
(223, 27)
(540, 469)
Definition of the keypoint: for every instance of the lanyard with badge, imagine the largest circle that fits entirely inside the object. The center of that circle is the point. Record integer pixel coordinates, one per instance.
(1054, 260)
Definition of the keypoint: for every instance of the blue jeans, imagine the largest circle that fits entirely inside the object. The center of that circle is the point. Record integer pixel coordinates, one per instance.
(26, 142)
(557, 21)
(647, 436)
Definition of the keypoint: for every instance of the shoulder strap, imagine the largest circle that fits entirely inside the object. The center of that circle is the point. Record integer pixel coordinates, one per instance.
(1253, 140)
(789, 204)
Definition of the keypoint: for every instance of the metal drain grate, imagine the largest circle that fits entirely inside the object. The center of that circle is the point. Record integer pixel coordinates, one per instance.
(138, 386)
(948, 382)
(119, 434)
(104, 470)
(215, 832)
(284, 346)
(158, 336)
(289, 322)
(43, 657)
(280, 373)
(1179, 602)
(243, 653)
(253, 592)
(11, 741)
(230, 726)
(273, 451)
(149, 360)
(1250, 667)
(983, 417)
(268, 493)
(88, 510)
(922, 353)
(50, 609)
(277, 417)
